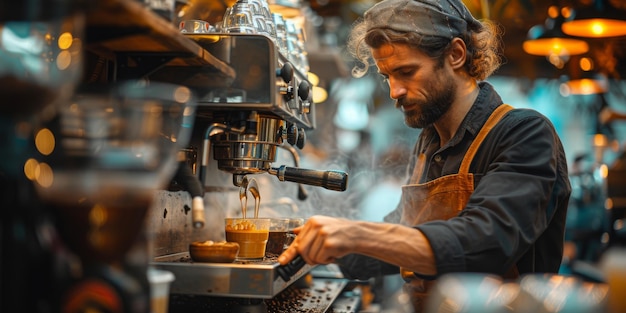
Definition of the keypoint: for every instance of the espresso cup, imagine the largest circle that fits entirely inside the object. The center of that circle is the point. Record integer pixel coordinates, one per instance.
(238, 19)
(251, 234)
(277, 236)
(293, 223)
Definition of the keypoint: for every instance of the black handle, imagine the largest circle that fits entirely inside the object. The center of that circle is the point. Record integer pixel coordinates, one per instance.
(286, 271)
(332, 180)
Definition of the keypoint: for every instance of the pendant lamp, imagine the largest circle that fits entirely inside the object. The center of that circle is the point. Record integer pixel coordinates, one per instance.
(586, 83)
(585, 79)
(590, 85)
(549, 39)
(601, 19)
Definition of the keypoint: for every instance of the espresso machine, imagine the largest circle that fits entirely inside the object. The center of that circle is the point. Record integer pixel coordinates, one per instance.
(264, 104)
(267, 107)
(238, 129)
(242, 120)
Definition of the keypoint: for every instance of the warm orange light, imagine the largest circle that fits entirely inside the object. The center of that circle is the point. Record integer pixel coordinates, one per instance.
(30, 169)
(600, 140)
(44, 141)
(65, 40)
(555, 46)
(584, 86)
(595, 27)
(586, 64)
(313, 78)
(319, 94)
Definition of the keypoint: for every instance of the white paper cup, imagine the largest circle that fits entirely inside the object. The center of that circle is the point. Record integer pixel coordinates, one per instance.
(160, 281)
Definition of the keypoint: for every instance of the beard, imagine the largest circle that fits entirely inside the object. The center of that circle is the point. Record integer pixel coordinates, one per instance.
(435, 104)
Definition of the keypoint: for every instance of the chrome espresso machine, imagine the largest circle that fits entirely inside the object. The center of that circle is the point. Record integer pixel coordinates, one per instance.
(241, 122)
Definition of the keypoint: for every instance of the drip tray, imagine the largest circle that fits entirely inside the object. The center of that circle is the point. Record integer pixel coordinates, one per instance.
(241, 279)
(318, 296)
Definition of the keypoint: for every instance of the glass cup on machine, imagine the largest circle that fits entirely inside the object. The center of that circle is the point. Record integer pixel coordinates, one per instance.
(163, 8)
(291, 225)
(195, 27)
(277, 236)
(238, 18)
(251, 234)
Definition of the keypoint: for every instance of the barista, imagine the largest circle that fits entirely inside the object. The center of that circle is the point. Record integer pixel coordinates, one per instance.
(489, 188)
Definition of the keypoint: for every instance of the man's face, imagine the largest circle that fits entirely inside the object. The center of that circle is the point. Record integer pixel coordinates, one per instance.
(421, 86)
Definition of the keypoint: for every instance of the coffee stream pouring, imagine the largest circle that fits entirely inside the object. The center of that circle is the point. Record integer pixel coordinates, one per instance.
(249, 185)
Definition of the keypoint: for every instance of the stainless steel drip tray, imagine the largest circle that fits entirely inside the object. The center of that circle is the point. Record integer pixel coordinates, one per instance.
(241, 279)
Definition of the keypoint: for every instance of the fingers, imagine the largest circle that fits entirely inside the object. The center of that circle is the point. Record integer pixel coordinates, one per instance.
(289, 254)
(297, 230)
(311, 243)
(292, 251)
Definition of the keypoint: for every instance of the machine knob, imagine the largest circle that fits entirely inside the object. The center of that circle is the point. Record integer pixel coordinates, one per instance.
(304, 90)
(286, 72)
(292, 134)
(301, 139)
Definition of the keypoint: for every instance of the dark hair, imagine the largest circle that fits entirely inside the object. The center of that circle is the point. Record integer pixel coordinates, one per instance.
(483, 47)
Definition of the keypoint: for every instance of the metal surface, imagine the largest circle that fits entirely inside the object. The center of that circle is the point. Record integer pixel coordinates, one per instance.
(316, 296)
(268, 82)
(247, 279)
(246, 153)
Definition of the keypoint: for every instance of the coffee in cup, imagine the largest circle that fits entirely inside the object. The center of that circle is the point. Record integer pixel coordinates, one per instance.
(277, 236)
(251, 234)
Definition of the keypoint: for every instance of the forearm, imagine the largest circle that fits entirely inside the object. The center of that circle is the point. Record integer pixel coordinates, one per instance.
(396, 244)
(324, 239)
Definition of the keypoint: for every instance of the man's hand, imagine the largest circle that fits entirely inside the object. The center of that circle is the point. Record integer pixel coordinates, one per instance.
(320, 241)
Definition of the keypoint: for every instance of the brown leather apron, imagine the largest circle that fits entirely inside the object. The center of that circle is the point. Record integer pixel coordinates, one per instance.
(439, 199)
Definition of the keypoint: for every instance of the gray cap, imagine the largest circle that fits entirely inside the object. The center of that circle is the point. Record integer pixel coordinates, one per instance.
(440, 18)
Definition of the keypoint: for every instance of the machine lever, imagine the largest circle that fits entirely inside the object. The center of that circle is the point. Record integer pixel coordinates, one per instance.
(332, 180)
(286, 271)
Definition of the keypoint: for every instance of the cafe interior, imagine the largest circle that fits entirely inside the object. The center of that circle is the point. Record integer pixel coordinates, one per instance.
(134, 132)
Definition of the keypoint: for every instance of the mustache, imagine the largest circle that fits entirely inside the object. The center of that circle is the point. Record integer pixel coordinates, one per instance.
(403, 101)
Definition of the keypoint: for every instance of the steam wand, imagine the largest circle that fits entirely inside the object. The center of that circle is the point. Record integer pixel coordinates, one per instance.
(186, 178)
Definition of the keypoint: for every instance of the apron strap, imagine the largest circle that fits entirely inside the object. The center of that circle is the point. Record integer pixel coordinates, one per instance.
(495, 117)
